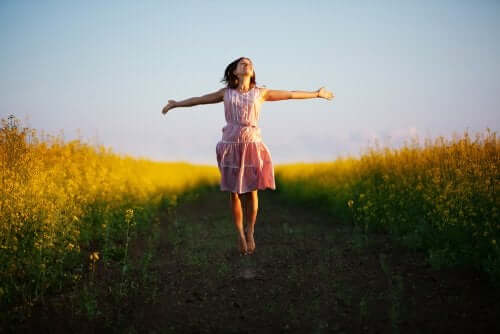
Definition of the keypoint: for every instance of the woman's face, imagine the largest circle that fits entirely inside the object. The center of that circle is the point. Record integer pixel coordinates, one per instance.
(244, 68)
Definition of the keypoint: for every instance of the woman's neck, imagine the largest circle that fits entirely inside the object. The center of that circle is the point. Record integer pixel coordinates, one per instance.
(244, 85)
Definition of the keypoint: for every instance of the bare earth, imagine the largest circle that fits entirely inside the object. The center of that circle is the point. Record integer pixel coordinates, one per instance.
(309, 274)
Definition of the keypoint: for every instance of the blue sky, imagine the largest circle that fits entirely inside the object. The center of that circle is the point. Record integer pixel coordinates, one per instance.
(102, 71)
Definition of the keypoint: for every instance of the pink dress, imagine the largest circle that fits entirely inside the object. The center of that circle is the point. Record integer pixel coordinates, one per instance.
(243, 159)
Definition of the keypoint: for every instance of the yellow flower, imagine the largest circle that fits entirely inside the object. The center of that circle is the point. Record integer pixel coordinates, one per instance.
(129, 214)
(350, 203)
(94, 256)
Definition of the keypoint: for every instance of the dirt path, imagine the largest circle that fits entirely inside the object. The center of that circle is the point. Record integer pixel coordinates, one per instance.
(309, 274)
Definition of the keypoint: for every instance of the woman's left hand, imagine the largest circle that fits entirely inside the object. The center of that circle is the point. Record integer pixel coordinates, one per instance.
(322, 92)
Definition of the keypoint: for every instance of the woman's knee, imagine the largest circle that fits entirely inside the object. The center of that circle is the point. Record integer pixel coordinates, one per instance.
(254, 201)
(234, 196)
(248, 197)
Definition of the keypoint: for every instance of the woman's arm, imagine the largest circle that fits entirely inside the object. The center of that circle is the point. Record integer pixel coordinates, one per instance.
(276, 95)
(214, 97)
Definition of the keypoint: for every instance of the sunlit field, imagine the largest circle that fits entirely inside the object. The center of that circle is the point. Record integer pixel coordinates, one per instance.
(70, 209)
(67, 205)
(440, 196)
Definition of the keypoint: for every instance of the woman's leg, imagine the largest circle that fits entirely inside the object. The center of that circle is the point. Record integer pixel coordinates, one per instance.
(251, 208)
(236, 209)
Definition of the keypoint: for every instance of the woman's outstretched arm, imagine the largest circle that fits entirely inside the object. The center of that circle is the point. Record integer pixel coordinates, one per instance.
(214, 97)
(276, 95)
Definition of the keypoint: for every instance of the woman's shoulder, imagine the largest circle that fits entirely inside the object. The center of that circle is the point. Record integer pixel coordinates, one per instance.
(223, 91)
(261, 89)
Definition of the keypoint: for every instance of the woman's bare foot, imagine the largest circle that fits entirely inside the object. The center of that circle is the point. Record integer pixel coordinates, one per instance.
(242, 244)
(250, 241)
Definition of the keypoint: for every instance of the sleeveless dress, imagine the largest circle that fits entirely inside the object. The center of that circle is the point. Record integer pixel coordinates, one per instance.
(243, 159)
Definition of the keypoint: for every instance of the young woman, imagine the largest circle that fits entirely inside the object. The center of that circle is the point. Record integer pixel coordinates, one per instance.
(243, 159)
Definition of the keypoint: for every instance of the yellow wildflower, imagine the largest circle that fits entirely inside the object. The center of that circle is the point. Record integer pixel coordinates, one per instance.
(94, 256)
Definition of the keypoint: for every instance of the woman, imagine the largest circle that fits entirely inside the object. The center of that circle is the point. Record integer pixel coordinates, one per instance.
(243, 159)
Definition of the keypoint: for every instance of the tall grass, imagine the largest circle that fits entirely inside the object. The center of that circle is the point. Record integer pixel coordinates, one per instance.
(63, 203)
(441, 197)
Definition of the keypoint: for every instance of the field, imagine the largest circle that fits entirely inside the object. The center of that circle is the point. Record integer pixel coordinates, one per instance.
(66, 206)
(91, 240)
(441, 197)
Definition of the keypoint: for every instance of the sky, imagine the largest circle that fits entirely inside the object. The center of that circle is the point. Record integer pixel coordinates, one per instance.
(102, 71)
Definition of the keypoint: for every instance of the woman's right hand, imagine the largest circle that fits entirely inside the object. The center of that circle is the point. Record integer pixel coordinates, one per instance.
(170, 105)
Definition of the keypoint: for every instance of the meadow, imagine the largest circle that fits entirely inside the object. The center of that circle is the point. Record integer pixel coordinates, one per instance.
(65, 206)
(70, 209)
(440, 196)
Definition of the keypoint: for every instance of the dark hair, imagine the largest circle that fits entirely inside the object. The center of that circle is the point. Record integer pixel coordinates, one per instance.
(231, 80)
